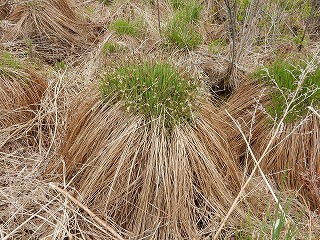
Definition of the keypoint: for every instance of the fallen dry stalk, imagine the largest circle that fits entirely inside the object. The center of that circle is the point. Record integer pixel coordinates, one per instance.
(87, 210)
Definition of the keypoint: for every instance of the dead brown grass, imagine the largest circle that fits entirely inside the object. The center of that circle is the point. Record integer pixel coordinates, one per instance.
(49, 29)
(117, 171)
(245, 104)
(294, 158)
(5, 9)
(20, 94)
(150, 183)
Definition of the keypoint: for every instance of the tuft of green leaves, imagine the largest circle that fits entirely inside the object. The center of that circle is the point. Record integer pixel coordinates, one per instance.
(180, 30)
(283, 77)
(108, 47)
(9, 61)
(156, 91)
(126, 27)
(243, 6)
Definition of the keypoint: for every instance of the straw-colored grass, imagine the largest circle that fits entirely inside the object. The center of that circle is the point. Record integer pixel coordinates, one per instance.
(49, 29)
(79, 163)
(21, 90)
(294, 158)
(151, 183)
(5, 9)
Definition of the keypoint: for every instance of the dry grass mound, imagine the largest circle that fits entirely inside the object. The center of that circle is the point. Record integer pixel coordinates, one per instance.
(49, 29)
(245, 105)
(294, 159)
(21, 90)
(153, 182)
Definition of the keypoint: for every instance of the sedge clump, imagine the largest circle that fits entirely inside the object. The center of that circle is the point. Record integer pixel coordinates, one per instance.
(156, 91)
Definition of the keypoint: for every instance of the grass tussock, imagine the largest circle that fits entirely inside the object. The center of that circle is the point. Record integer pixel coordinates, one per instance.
(181, 31)
(294, 158)
(21, 91)
(289, 162)
(151, 183)
(141, 151)
(47, 29)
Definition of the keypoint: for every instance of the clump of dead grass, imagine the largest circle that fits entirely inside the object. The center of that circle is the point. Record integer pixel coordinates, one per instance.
(151, 182)
(294, 158)
(294, 155)
(21, 91)
(49, 29)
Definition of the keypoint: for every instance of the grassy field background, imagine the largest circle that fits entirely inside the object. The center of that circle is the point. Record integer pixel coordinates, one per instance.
(160, 119)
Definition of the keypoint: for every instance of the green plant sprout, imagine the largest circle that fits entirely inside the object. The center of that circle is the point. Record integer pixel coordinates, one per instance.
(108, 47)
(176, 4)
(8, 61)
(157, 91)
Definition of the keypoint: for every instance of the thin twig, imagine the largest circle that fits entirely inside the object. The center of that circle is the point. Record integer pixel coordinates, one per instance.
(232, 27)
(87, 210)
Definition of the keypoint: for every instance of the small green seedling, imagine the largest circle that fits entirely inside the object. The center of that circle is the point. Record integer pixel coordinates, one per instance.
(108, 47)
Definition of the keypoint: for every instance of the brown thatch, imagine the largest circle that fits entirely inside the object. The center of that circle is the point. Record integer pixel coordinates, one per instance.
(5, 9)
(153, 184)
(245, 105)
(295, 158)
(21, 90)
(294, 161)
(49, 29)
